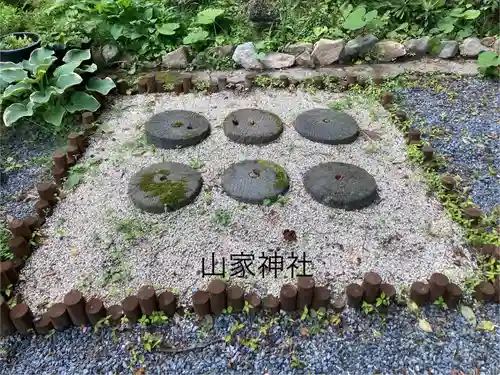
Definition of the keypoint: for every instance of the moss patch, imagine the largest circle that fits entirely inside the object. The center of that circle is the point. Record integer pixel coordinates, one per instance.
(177, 124)
(281, 176)
(169, 192)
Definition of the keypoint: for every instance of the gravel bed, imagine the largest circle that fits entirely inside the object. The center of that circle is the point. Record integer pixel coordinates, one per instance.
(466, 113)
(378, 344)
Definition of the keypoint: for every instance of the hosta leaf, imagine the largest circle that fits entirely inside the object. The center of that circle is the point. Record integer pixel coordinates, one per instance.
(68, 80)
(81, 101)
(54, 114)
(208, 16)
(102, 86)
(40, 60)
(66, 68)
(16, 111)
(44, 96)
(9, 65)
(116, 31)
(86, 69)
(424, 325)
(487, 59)
(195, 36)
(471, 14)
(168, 28)
(355, 20)
(486, 325)
(370, 16)
(16, 89)
(468, 314)
(76, 55)
(10, 75)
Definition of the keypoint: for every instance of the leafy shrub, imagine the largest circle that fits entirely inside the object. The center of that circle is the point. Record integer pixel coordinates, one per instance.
(5, 252)
(31, 88)
(14, 42)
(489, 63)
(11, 19)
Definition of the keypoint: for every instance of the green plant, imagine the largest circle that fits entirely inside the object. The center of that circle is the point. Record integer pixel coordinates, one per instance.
(382, 300)
(441, 303)
(104, 322)
(5, 251)
(229, 310)
(196, 163)
(156, 318)
(488, 64)
(234, 328)
(367, 308)
(281, 200)
(358, 18)
(11, 20)
(151, 341)
(222, 217)
(31, 88)
(14, 42)
(296, 363)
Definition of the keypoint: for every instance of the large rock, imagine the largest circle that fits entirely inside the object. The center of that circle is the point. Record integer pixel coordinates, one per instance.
(488, 41)
(305, 60)
(471, 47)
(278, 60)
(298, 48)
(417, 47)
(449, 49)
(246, 56)
(110, 53)
(178, 59)
(496, 46)
(224, 51)
(359, 46)
(388, 50)
(327, 51)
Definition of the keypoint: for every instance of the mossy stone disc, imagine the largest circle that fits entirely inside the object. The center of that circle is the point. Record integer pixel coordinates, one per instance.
(164, 187)
(327, 126)
(252, 126)
(341, 185)
(176, 129)
(254, 181)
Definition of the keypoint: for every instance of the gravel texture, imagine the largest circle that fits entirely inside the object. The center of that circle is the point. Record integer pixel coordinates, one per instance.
(377, 344)
(463, 124)
(99, 243)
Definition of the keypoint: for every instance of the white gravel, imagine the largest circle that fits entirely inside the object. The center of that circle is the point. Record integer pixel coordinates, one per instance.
(405, 237)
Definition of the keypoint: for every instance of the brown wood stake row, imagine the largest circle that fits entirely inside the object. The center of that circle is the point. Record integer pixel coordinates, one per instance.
(33, 222)
(178, 87)
(285, 82)
(122, 87)
(235, 298)
(75, 303)
(95, 310)
(58, 314)
(18, 264)
(131, 309)
(354, 293)
(167, 302)
(249, 81)
(371, 286)
(222, 83)
(428, 152)
(452, 295)
(160, 85)
(60, 159)
(419, 293)
(217, 290)
(485, 292)
(213, 87)
(142, 85)
(115, 312)
(88, 118)
(389, 291)
(321, 298)
(8, 274)
(437, 286)
(73, 154)
(147, 300)
(43, 208)
(77, 140)
(6, 326)
(496, 285)
(47, 192)
(414, 136)
(19, 228)
(59, 174)
(254, 302)
(271, 304)
(186, 84)
(448, 182)
(201, 303)
(71, 161)
(22, 318)
(305, 292)
(387, 98)
(43, 324)
(19, 246)
(474, 214)
(150, 83)
(288, 298)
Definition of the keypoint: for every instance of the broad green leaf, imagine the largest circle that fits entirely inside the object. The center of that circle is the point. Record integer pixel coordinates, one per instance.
(370, 16)
(148, 14)
(10, 75)
(44, 95)
(16, 111)
(76, 55)
(40, 60)
(86, 69)
(195, 36)
(208, 16)
(3, 84)
(66, 69)
(471, 14)
(168, 28)
(468, 314)
(72, 180)
(81, 101)
(487, 59)
(54, 114)
(116, 31)
(424, 325)
(486, 325)
(68, 80)
(102, 86)
(413, 307)
(9, 64)
(16, 89)
(355, 20)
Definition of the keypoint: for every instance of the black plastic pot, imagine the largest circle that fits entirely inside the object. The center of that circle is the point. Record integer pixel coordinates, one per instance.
(20, 54)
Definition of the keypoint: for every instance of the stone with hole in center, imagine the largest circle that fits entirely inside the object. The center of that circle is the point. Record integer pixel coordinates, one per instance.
(164, 187)
(176, 129)
(255, 181)
(252, 126)
(327, 126)
(340, 185)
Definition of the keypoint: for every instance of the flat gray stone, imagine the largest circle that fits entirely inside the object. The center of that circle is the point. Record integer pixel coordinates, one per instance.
(305, 60)
(496, 46)
(417, 47)
(327, 51)
(176, 129)
(327, 126)
(298, 48)
(488, 41)
(359, 46)
(164, 187)
(471, 47)
(278, 60)
(252, 126)
(340, 185)
(246, 56)
(255, 181)
(388, 50)
(449, 49)
(177, 59)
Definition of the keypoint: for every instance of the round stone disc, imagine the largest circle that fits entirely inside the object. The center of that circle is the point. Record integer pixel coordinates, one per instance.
(176, 129)
(164, 187)
(327, 126)
(254, 181)
(340, 185)
(252, 126)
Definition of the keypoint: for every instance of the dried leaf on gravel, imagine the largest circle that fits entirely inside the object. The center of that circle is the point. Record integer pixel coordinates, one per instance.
(372, 134)
(486, 325)
(424, 325)
(289, 235)
(304, 331)
(468, 314)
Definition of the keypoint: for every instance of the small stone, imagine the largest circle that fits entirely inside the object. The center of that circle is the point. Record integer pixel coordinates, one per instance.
(305, 60)
(496, 46)
(246, 56)
(299, 48)
(110, 53)
(388, 50)
(449, 48)
(471, 47)
(224, 51)
(278, 60)
(177, 59)
(359, 46)
(417, 47)
(488, 41)
(328, 51)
